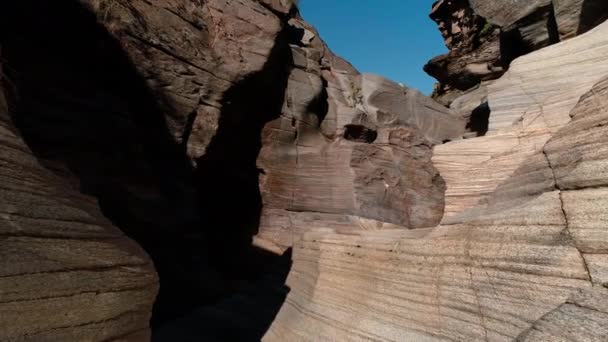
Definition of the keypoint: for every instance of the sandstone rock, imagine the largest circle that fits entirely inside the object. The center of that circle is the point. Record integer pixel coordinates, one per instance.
(527, 105)
(351, 147)
(506, 14)
(474, 49)
(227, 94)
(281, 6)
(484, 37)
(192, 53)
(526, 263)
(65, 272)
(582, 318)
(121, 134)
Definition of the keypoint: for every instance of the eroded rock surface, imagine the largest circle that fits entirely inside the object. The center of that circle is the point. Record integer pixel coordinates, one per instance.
(520, 265)
(191, 93)
(65, 272)
(367, 157)
(284, 196)
(484, 37)
(527, 105)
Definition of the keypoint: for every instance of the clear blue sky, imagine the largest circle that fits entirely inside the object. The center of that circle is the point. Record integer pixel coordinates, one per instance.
(392, 38)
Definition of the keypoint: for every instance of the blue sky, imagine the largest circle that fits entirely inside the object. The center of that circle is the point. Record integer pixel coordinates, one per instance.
(392, 38)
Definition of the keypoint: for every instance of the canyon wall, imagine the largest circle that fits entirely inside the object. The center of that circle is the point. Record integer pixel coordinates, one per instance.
(526, 262)
(218, 153)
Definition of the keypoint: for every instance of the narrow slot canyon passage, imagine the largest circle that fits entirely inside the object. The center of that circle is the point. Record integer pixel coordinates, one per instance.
(238, 170)
(91, 118)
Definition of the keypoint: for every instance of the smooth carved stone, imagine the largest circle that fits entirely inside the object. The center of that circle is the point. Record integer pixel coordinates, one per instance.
(532, 96)
(457, 282)
(577, 155)
(527, 105)
(582, 165)
(526, 263)
(65, 272)
(598, 268)
(586, 212)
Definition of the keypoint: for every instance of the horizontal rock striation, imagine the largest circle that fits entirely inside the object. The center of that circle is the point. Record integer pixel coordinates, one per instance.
(528, 105)
(281, 195)
(203, 100)
(65, 272)
(350, 149)
(526, 263)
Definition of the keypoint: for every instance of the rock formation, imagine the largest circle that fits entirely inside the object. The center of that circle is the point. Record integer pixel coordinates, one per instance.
(281, 195)
(62, 264)
(526, 263)
(484, 37)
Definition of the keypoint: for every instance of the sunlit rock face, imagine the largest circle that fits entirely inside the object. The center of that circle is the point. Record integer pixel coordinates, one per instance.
(528, 104)
(474, 50)
(364, 155)
(525, 263)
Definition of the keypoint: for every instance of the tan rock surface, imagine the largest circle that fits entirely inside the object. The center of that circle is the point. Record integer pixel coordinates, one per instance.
(527, 105)
(374, 164)
(520, 265)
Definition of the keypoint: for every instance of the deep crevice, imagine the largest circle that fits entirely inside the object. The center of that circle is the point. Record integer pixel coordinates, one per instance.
(91, 118)
(360, 133)
(593, 13)
(479, 122)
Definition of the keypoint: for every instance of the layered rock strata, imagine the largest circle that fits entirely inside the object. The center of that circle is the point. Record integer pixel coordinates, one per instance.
(232, 123)
(527, 263)
(66, 273)
(527, 105)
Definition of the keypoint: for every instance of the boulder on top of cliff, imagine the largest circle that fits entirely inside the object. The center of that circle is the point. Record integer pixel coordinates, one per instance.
(474, 46)
(484, 37)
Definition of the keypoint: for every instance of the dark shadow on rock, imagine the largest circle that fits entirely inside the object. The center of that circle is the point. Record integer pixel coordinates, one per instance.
(480, 120)
(319, 105)
(243, 316)
(513, 44)
(89, 116)
(227, 173)
(360, 133)
(593, 13)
